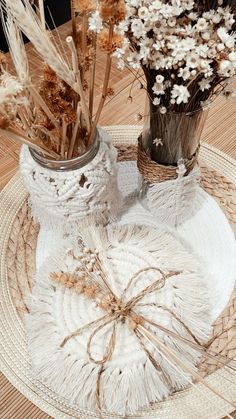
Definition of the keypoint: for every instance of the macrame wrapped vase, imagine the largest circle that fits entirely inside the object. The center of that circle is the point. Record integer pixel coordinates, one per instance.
(168, 163)
(65, 192)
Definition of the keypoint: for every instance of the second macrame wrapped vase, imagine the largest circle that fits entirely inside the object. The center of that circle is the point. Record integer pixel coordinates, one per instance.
(168, 162)
(65, 192)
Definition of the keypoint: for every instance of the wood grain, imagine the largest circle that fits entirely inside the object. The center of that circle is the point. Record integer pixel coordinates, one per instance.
(220, 131)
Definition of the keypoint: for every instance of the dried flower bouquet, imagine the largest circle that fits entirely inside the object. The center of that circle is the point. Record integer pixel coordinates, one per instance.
(187, 51)
(58, 117)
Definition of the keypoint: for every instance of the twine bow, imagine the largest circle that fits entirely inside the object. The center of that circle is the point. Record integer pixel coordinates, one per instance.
(120, 310)
(124, 311)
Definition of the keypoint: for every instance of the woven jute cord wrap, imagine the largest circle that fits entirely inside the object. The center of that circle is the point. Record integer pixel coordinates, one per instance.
(154, 172)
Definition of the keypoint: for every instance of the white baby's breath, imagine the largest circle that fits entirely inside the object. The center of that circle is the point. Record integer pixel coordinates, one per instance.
(180, 93)
(95, 22)
(204, 84)
(157, 142)
(179, 43)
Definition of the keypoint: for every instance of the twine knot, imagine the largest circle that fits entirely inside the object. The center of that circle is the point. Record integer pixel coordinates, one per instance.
(121, 310)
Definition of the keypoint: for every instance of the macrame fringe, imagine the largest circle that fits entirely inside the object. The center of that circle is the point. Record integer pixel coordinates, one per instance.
(175, 201)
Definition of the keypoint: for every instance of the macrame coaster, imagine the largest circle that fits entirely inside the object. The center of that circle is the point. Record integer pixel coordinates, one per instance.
(89, 337)
(59, 199)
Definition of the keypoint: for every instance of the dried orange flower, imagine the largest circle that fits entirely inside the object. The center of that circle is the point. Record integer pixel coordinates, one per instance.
(80, 287)
(43, 120)
(66, 279)
(109, 45)
(84, 6)
(55, 277)
(49, 75)
(113, 11)
(68, 93)
(3, 59)
(69, 114)
(110, 92)
(4, 123)
(107, 302)
(59, 98)
(90, 291)
(86, 59)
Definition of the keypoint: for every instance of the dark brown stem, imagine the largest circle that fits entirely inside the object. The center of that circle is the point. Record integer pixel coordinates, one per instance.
(73, 21)
(92, 78)
(84, 41)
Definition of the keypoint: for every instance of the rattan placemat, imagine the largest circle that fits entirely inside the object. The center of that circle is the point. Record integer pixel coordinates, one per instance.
(18, 238)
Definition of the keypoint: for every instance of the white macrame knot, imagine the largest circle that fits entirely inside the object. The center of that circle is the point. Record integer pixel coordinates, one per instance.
(181, 170)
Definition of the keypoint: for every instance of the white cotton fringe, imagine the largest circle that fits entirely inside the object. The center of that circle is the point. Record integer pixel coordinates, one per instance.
(175, 201)
(129, 381)
(59, 200)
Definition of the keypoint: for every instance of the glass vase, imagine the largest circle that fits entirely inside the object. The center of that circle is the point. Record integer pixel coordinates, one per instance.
(65, 192)
(69, 164)
(169, 137)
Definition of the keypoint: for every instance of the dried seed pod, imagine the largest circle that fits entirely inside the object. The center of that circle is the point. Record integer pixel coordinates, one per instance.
(80, 287)
(90, 291)
(54, 276)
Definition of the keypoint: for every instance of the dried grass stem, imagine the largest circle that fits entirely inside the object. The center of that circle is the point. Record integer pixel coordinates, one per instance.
(79, 86)
(105, 87)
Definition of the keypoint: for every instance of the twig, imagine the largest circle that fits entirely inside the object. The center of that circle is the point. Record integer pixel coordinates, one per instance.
(84, 107)
(20, 137)
(59, 44)
(74, 135)
(73, 20)
(40, 102)
(49, 134)
(167, 352)
(42, 13)
(23, 120)
(119, 92)
(104, 90)
(92, 78)
(64, 137)
(84, 41)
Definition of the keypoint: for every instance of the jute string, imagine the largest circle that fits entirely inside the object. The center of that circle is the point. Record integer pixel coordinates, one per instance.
(118, 310)
(154, 172)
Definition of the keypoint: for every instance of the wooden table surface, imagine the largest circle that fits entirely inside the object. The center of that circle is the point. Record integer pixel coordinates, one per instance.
(220, 131)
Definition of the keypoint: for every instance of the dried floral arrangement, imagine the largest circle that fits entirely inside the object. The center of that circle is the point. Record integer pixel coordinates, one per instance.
(58, 117)
(186, 50)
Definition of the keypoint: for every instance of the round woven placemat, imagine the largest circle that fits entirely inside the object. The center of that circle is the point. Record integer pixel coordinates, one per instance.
(18, 239)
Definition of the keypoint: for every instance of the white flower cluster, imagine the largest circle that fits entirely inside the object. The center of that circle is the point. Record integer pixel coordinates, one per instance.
(95, 22)
(11, 94)
(179, 45)
(10, 87)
